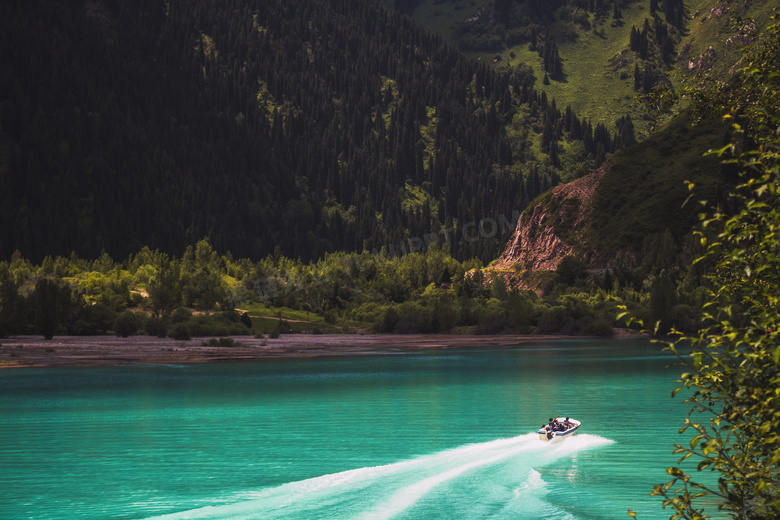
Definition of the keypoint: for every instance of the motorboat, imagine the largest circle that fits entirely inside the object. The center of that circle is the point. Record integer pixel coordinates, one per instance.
(560, 429)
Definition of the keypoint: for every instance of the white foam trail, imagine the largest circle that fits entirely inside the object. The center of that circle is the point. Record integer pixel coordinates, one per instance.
(533, 484)
(407, 496)
(383, 492)
(485, 454)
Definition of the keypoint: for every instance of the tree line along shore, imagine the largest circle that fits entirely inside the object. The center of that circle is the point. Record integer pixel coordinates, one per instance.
(204, 293)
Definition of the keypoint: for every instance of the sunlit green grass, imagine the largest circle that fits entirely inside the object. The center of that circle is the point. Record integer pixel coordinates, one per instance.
(265, 310)
(593, 85)
(266, 318)
(707, 28)
(598, 66)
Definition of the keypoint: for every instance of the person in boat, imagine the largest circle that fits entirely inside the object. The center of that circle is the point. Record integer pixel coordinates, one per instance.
(567, 424)
(550, 428)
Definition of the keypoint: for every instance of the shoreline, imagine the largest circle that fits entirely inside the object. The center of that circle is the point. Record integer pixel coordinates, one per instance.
(84, 351)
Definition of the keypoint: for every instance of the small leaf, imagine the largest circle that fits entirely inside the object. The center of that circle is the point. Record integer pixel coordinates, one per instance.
(675, 472)
(704, 465)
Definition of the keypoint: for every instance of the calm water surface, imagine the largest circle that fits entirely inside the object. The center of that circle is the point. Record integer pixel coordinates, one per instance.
(427, 435)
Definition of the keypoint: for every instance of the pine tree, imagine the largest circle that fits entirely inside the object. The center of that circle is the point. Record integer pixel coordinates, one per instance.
(634, 39)
(616, 13)
(47, 306)
(648, 80)
(644, 44)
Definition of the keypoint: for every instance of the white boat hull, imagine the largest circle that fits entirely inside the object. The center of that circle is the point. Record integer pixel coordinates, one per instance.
(547, 436)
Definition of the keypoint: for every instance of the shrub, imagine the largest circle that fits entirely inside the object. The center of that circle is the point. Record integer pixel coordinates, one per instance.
(151, 326)
(238, 329)
(518, 36)
(181, 332)
(220, 342)
(601, 327)
(126, 324)
(389, 320)
(570, 269)
(181, 315)
(330, 317)
(98, 318)
(413, 318)
(284, 327)
(246, 320)
(491, 325)
(555, 320)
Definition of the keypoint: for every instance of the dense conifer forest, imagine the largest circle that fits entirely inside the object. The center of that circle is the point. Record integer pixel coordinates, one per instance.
(311, 126)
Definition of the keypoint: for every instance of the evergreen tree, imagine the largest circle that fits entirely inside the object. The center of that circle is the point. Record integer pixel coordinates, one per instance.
(46, 302)
(634, 39)
(11, 305)
(644, 42)
(551, 59)
(662, 302)
(648, 80)
(164, 295)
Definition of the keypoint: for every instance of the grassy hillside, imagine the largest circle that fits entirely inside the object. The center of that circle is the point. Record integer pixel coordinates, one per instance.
(724, 26)
(598, 64)
(645, 189)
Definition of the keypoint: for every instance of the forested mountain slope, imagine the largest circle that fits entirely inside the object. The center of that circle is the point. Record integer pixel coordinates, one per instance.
(309, 126)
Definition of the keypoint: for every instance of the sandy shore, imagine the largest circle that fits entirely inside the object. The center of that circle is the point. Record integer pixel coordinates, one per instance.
(34, 351)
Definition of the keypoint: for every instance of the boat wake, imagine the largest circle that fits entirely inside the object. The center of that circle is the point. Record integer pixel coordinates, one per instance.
(496, 479)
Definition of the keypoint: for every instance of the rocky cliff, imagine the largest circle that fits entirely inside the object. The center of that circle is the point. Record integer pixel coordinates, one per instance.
(554, 226)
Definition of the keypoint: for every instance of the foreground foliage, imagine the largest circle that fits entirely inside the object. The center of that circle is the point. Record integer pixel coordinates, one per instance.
(733, 369)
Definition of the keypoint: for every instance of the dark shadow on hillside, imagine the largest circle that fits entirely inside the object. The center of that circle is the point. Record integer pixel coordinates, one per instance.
(562, 78)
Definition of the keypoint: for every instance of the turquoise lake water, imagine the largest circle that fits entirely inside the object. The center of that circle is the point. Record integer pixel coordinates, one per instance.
(423, 435)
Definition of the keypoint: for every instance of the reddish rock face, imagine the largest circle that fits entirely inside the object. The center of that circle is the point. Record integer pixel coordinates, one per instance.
(553, 229)
(535, 244)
